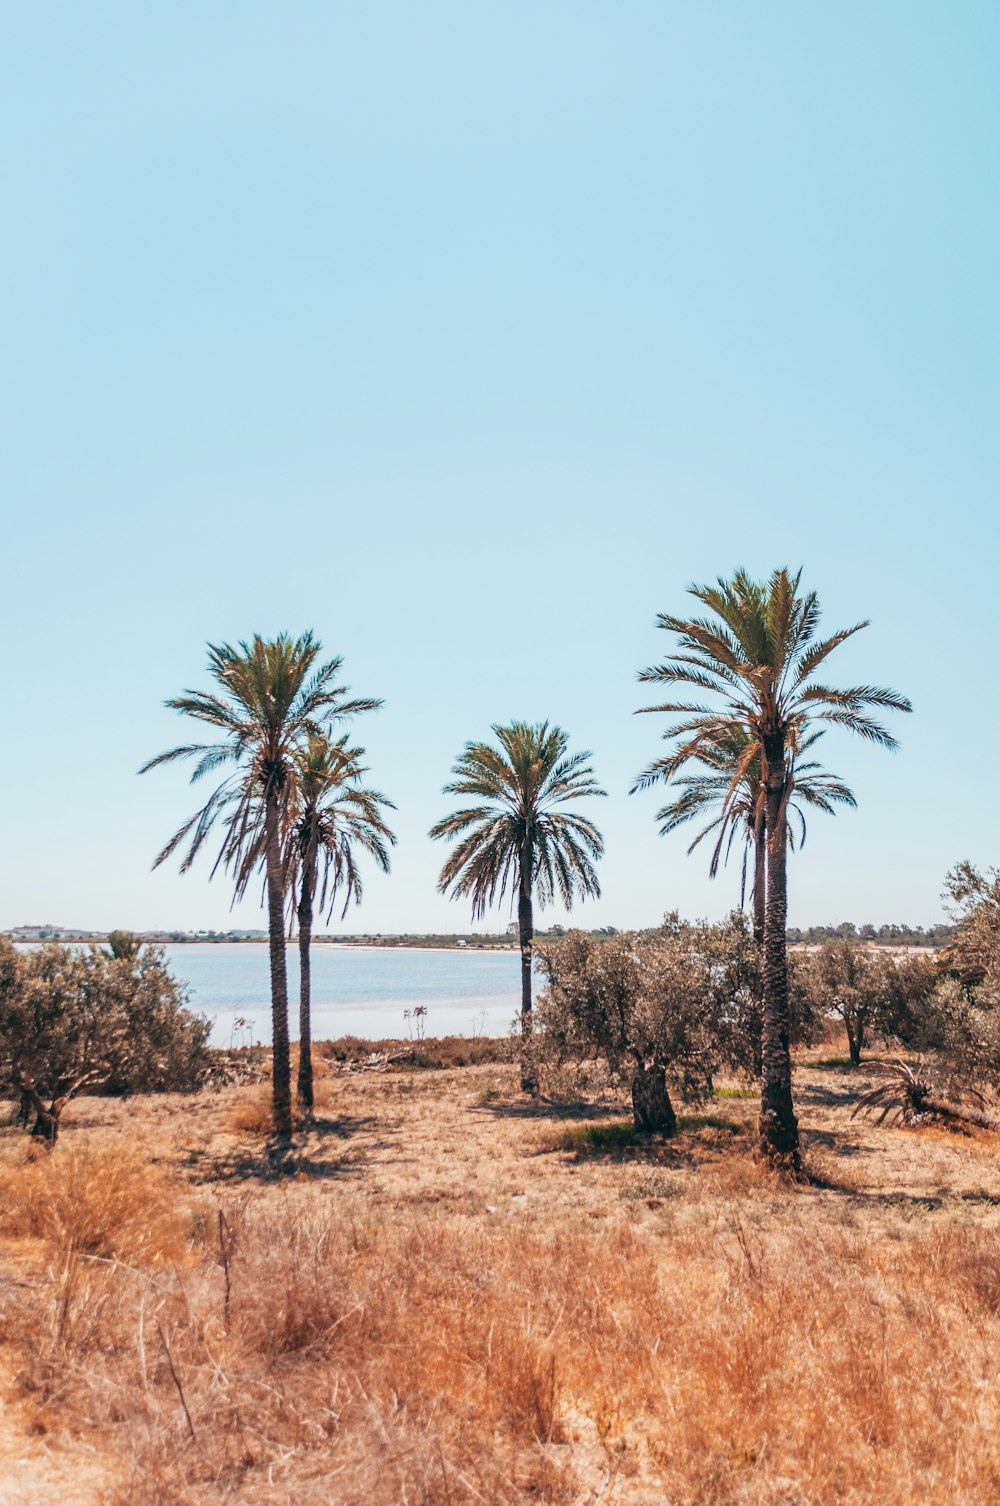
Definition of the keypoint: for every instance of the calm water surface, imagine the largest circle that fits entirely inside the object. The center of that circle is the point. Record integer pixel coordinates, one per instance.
(355, 991)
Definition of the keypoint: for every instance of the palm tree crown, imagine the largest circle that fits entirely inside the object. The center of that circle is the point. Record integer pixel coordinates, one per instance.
(271, 699)
(334, 818)
(759, 656)
(518, 829)
(743, 814)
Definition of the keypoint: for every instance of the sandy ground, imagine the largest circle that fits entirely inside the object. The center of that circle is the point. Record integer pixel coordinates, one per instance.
(464, 1143)
(467, 1137)
(34, 1470)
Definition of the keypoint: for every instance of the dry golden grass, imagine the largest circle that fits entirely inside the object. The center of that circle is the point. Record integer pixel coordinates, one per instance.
(97, 1202)
(443, 1297)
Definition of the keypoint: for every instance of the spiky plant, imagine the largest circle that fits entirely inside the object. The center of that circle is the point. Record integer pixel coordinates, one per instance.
(743, 814)
(519, 836)
(334, 820)
(271, 697)
(755, 655)
(903, 1096)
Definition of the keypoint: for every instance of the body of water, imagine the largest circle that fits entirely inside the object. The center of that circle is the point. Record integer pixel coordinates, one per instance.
(361, 991)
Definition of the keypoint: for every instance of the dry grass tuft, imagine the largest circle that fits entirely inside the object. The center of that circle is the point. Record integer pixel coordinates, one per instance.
(253, 1111)
(102, 1202)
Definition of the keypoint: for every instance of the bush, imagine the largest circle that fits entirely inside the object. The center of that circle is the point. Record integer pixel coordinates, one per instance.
(872, 992)
(71, 1018)
(665, 1009)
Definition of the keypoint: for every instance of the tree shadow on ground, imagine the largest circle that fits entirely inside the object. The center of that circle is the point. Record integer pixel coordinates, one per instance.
(835, 1141)
(831, 1098)
(305, 1159)
(912, 1202)
(549, 1108)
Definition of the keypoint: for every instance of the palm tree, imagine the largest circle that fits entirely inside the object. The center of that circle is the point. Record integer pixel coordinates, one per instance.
(756, 655)
(518, 835)
(334, 818)
(744, 814)
(271, 697)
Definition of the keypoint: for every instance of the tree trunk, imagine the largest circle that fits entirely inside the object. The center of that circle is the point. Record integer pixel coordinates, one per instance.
(779, 1131)
(651, 1106)
(526, 935)
(46, 1127)
(948, 1110)
(759, 885)
(305, 1084)
(281, 1084)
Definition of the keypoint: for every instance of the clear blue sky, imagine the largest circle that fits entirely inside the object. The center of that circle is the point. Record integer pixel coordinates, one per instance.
(468, 335)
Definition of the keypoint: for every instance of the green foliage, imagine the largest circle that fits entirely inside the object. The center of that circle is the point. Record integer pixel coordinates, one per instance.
(873, 992)
(333, 817)
(972, 956)
(737, 810)
(120, 1020)
(517, 830)
(638, 1001)
(960, 1028)
(884, 935)
(271, 700)
(758, 653)
(614, 1136)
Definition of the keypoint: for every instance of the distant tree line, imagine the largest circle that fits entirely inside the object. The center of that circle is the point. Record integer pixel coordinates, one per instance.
(929, 936)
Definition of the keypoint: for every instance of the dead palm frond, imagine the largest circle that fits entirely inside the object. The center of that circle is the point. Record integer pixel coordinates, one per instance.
(903, 1096)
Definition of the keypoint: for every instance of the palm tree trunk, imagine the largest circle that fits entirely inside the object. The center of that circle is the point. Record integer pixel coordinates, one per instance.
(957, 1111)
(779, 1131)
(305, 1084)
(759, 885)
(526, 936)
(281, 1077)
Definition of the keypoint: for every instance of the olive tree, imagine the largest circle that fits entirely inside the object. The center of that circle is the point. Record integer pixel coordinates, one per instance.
(72, 1018)
(873, 992)
(647, 1003)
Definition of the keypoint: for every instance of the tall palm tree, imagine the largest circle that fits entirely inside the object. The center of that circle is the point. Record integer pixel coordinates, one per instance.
(271, 697)
(333, 819)
(744, 814)
(518, 835)
(756, 655)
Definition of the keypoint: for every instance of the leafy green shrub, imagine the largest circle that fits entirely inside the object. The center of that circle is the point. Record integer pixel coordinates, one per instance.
(872, 991)
(72, 1017)
(665, 1009)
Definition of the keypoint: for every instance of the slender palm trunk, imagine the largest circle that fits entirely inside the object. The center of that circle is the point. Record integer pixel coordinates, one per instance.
(281, 1067)
(526, 936)
(305, 913)
(779, 1131)
(759, 885)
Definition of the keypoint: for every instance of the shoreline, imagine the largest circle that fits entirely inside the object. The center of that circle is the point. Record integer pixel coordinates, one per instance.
(340, 946)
